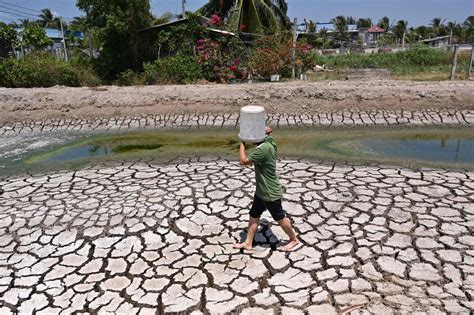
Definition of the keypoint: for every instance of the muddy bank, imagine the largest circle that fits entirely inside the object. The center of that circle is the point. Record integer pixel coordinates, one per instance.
(290, 97)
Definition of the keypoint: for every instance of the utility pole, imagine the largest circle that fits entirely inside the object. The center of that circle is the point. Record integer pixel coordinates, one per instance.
(66, 58)
(293, 52)
(455, 63)
(183, 6)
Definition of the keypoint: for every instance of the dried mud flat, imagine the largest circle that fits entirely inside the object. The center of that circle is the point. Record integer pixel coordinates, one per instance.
(289, 97)
(140, 237)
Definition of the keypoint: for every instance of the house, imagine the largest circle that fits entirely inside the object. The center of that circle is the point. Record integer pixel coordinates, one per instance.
(370, 36)
(437, 42)
(57, 37)
(149, 37)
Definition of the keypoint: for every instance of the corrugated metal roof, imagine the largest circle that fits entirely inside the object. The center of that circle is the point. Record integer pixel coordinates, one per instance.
(56, 34)
(332, 27)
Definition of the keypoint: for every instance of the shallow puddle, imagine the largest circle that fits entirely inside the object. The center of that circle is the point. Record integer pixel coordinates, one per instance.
(453, 150)
(409, 147)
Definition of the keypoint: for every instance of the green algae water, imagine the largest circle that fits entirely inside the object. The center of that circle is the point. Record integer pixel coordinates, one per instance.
(410, 147)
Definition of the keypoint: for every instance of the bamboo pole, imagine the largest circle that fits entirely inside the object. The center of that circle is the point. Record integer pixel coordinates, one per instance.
(455, 63)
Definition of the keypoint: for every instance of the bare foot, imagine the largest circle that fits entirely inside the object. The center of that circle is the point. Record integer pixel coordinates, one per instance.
(290, 245)
(242, 246)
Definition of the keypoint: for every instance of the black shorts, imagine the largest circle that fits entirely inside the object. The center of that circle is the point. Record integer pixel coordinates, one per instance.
(274, 207)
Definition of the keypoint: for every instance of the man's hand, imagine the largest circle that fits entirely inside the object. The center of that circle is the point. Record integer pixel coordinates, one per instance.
(268, 130)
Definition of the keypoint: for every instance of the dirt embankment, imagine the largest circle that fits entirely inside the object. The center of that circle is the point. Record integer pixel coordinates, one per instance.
(290, 97)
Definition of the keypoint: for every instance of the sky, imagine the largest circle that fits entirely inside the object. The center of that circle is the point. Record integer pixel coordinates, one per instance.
(416, 12)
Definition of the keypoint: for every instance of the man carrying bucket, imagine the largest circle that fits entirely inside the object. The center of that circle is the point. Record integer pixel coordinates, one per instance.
(268, 191)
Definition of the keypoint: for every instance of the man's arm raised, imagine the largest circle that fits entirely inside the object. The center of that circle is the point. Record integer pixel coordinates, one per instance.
(243, 155)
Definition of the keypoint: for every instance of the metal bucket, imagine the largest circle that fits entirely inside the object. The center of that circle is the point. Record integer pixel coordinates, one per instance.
(252, 124)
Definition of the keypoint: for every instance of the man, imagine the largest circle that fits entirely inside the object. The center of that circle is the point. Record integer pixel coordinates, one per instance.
(268, 193)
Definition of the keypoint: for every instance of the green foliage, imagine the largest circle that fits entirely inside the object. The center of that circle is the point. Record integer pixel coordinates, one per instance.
(270, 55)
(180, 38)
(250, 16)
(117, 23)
(8, 40)
(43, 70)
(178, 69)
(34, 35)
(223, 59)
(416, 59)
(128, 78)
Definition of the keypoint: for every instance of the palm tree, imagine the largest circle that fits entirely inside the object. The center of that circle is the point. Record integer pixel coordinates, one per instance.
(469, 29)
(437, 26)
(364, 23)
(340, 24)
(385, 23)
(350, 20)
(324, 36)
(400, 30)
(48, 19)
(251, 16)
(164, 18)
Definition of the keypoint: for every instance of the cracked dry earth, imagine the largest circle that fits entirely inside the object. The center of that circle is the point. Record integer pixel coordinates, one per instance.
(142, 238)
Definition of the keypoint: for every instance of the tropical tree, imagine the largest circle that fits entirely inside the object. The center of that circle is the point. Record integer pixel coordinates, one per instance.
(48, 19)
(340, 24)
(117, 23)
(35, 37)
(350, 20)
(164, 18)
(251, 16)
(436, 26)
(323, 33)
(364, 23)
(384, 23)
(469, 27)
(8, 39)
(400, 29)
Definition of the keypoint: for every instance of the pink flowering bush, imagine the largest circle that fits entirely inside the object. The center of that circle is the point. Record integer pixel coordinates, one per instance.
(220, 59)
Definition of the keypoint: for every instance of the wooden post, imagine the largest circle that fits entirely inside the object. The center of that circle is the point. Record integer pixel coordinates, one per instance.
(293, 53)
(455, 62)
(470, 63)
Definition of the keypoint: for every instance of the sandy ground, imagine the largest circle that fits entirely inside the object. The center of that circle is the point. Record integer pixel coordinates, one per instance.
(289, 97)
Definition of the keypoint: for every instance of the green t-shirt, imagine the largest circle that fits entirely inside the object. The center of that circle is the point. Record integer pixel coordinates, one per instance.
(264, 158)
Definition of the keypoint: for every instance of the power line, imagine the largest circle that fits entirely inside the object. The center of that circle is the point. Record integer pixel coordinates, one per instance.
(24, 8)
(16, 14)
(15, 5)
(21, 12)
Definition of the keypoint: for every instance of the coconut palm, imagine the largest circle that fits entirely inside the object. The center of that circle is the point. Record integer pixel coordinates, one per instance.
(400, 29)
(48, 19)
(437, 27)
(164, 18)
(385, 23)
(340, 24)
(364, 23)
(351, 20)
(323, 33)
(468, 25)
(251, 16)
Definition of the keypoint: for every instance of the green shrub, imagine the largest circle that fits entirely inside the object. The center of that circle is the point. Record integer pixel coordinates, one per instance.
(178, 69)
(43, 70)
(128, 78)
(415, 58)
